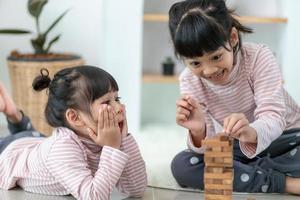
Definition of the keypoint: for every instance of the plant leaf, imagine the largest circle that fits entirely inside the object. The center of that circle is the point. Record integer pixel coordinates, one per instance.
(38, 44)
(35, 7)
(55, 22)
(54, 40)
(14, 31)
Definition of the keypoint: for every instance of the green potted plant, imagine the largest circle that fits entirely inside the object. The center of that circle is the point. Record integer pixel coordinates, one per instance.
(23, 67)
(168, 66)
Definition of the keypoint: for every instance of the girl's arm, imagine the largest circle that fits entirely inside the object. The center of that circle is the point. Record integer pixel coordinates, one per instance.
(269, 98)
(133, 180)
(190, 84)
(67, 163)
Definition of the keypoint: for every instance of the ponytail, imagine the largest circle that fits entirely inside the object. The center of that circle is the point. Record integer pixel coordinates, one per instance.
(42, 81)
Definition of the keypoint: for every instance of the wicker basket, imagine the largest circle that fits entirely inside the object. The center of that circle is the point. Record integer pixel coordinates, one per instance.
(33, 103)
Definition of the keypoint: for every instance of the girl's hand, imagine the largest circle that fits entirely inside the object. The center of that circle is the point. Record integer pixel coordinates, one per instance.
(237, 126)
(189, 114)
(108, 131)
(124, 128)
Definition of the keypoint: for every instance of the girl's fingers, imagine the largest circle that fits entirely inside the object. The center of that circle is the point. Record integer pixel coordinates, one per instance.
(115, 121)
(92, 135)
(182, 110)
(105, 116)
(238, 134)
(231, 122)
(181, 118)
(241, 123)
(193, 102)
(100, 118)
(111, 117)
(184, 103)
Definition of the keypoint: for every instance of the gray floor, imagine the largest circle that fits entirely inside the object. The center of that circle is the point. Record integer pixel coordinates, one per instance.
(150, 194)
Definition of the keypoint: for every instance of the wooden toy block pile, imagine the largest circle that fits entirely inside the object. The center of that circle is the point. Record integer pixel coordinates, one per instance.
(218, 172)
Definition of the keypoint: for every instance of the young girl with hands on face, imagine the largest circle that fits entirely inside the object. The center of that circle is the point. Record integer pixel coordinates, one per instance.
(234, 88)
(90, 151)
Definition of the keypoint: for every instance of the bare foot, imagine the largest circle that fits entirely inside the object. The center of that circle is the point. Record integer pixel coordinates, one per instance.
(8, 107)
(292, 185)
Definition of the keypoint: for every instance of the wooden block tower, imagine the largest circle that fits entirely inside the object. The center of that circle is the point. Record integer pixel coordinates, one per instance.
(218, 172)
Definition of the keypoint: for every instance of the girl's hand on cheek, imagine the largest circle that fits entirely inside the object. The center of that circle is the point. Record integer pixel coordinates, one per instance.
(124, 128)
(237, 126)
(108, 132)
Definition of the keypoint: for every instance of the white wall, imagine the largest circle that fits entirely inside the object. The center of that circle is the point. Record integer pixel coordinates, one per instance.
(291, 45)
(123, 50)
(106, 33)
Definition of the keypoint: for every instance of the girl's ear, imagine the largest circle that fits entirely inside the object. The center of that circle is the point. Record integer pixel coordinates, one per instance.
(234, 37)
(73, 118)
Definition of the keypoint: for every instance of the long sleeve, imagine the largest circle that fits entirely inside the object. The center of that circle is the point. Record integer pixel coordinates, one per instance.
(133, 180)
(270, 109)
(189, 85)
(67, 163)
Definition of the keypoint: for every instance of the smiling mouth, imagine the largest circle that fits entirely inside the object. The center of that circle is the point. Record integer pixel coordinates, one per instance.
(218, 76)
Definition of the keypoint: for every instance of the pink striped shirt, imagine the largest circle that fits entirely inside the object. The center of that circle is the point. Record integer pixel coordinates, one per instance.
(255, 89)
(66, 163)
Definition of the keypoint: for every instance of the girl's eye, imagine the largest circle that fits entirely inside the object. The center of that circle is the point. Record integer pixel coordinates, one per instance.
(105, 102)
(118, 99)
(195, 64)
(217, 57)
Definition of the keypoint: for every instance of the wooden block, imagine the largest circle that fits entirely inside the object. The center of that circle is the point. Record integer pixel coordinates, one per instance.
(209, 181)
(225, 175)
(227, 181)
(213, 181)
(212, 164)
(227, 149)
(219, 160)
(217, 149)
(218, 154)
(228, 160)
(223, 137)
(217, 197)
(218, 186)
(214, 169)
(215, 143)
(213, 191)
(227, 191)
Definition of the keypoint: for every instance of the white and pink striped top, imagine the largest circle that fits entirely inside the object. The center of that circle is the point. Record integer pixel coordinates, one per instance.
(255, 89)
(66, 163)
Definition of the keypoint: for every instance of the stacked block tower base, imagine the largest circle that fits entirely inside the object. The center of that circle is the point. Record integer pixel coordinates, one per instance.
(218, 172)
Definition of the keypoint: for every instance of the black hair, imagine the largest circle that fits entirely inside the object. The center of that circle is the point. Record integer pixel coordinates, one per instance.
(202, 26)
(75, 87)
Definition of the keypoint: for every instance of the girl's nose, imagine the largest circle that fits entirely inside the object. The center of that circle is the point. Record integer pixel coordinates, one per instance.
(208, 71)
